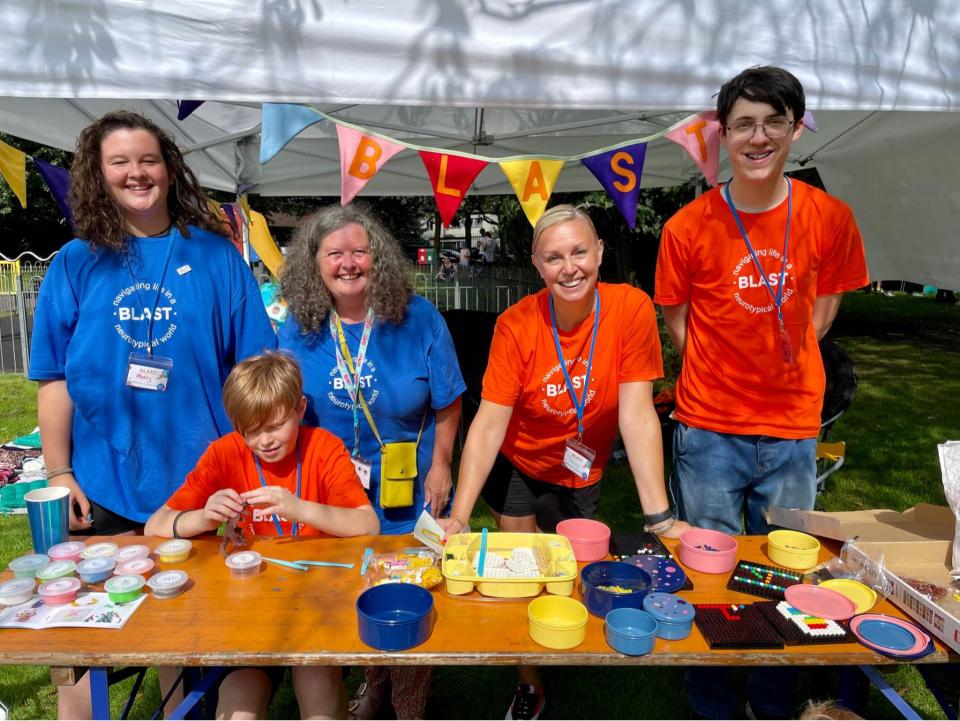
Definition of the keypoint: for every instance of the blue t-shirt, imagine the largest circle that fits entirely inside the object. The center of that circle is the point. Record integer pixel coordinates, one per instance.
(132, 448)
(408, 368)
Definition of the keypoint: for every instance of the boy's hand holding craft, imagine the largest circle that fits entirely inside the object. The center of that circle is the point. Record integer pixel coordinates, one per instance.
(276, 500)
(222, 506)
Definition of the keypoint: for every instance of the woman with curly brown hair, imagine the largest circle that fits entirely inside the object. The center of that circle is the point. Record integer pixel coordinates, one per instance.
(380, 372)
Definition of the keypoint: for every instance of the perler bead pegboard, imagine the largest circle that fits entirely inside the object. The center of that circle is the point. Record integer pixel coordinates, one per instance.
(625, 544)
(738, 625)
(758, 579)
(799, 628)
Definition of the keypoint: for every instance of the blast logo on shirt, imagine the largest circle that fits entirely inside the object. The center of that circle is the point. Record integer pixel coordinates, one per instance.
(132, 319)
(555, 398)
(747, 283)
(338, 395)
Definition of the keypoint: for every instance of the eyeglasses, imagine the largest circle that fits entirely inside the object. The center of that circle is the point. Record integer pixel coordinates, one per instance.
(772, 128)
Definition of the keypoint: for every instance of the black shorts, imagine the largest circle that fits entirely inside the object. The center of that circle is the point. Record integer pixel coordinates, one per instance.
(510, 492)
(108, 523)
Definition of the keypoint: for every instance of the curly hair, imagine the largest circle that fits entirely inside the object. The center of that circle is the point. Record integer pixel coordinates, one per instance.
(388, 287)
(96, 216)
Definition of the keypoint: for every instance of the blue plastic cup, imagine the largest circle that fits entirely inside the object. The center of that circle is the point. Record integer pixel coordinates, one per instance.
(49, 512)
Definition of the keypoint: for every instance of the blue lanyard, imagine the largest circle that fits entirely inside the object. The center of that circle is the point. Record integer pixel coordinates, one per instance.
(276, 521)
(578, 403)
(778, 296)
(346, 366)
(156, 300)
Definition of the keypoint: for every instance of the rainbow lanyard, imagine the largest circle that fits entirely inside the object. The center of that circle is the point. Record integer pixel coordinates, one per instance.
(578, 403)
(276, 519)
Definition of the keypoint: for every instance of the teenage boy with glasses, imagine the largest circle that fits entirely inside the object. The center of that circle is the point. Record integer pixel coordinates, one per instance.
(750, 276)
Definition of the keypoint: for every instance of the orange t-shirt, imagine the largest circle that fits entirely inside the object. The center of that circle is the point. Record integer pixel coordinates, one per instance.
(524, 372)
(327, 476)
(734, 378)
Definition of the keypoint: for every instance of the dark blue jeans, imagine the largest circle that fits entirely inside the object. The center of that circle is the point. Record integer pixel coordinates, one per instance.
(719, 478)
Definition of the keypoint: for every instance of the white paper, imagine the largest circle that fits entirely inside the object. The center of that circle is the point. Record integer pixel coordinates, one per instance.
(429, 533)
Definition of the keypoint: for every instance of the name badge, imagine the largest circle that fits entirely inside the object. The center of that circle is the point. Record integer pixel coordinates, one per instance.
(578, 458)
(149, 374)
(362, 466)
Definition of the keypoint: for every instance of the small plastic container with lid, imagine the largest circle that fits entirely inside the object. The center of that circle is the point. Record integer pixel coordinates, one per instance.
(27, 566)
(95, 570)
(674, 615)
(136, 566)
(59, 591)
(123, 589)
(57, 569)
(168, 584)
(128, 553)
(244, 564)
(174, 551)
(19, 590)
(69, 551)
(99, 550)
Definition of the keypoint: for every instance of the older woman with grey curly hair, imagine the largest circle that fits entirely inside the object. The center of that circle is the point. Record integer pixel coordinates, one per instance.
(380, 372)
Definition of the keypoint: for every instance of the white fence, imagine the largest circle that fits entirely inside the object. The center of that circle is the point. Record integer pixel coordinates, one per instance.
(19, 287)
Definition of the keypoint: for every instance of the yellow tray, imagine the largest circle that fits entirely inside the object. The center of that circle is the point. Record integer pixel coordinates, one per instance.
(557, 567)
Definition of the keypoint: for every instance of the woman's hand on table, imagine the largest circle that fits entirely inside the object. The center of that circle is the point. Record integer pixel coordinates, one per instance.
(222, 506)
(78, 499)
(677, 529)
(275, 500)
(436, 488)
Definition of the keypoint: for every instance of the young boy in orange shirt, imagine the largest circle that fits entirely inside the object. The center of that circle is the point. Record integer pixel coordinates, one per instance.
(296, 480)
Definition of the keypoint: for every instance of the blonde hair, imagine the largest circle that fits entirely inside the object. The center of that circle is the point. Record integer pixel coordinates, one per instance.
(827, 710)
(561, 214)
(260, 386)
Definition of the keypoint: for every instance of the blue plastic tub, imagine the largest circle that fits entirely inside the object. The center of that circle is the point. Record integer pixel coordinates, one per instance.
(599, 601)
(674, 615)
(395, 616)
(630, 631)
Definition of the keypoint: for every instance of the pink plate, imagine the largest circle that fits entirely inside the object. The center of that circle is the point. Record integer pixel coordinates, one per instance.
(820, 602)
(921, 639)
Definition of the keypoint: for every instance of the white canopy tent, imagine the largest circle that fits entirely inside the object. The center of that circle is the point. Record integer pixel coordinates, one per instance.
(508, 77)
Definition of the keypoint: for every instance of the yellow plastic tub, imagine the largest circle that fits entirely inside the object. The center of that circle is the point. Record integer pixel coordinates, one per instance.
(555, 565)
(557, 621)
(792, 549)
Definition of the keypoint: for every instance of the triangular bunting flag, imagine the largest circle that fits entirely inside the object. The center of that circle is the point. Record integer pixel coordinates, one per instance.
(809, 122)
(450, 176)
(185, 107)
(361, 156)
(700, 137)
(58, 180)
(533, 182)
(13, 167)
(280, 123)
(619, 173)
(263, 243)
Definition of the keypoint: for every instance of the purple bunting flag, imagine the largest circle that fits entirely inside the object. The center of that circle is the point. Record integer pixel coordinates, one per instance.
(58, 180)
(185, 107)
(619, 173)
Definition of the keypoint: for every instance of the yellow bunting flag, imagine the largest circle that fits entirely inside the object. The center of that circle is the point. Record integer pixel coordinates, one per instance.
(13, 167)
(264, 244)
(533, 182)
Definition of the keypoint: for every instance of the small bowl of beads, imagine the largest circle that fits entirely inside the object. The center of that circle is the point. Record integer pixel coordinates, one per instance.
(142, 566)
(27, 566)
(167, 584)
(56, 569)
(244, 564)
(606, 585)
(174, 551)
(59, 591)
(95, 570)
(99, 550)
(709, 551)
(69, 551)
(124, 589)
(17, 591)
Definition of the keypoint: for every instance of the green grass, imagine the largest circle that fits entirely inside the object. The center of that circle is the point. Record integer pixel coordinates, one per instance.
(906, 351)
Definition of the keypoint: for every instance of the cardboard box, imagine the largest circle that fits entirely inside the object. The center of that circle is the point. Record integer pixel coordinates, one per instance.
(917, 543)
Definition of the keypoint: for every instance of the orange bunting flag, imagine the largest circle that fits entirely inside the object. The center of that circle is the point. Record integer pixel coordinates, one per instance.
(13, 167)
(533, 182)
(700, 137)
(361, 156)
(450, 176)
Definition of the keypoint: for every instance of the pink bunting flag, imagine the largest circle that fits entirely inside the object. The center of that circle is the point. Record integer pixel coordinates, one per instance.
(450, 176)
(700, 137)
(361, 156)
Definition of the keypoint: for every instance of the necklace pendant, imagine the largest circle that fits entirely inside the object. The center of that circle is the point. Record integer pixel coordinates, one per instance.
(786, 347)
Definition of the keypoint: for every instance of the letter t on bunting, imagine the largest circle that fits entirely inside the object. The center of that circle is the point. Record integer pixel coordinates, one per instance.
(450, 176)
(361, 156)
(619, 172)
(700, 137)
(533, 182)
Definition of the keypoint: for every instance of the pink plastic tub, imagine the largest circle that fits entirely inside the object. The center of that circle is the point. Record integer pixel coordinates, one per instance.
(708, 551)
(589, 539)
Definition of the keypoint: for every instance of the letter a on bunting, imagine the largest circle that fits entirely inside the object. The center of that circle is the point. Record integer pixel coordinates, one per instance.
(619, 173)
(533, 182)
(700, 137)
(361, 156)
(450, 176)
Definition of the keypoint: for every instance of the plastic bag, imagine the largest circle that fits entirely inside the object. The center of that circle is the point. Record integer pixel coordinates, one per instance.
(410, 565)
(858, 565)
(950, 470)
